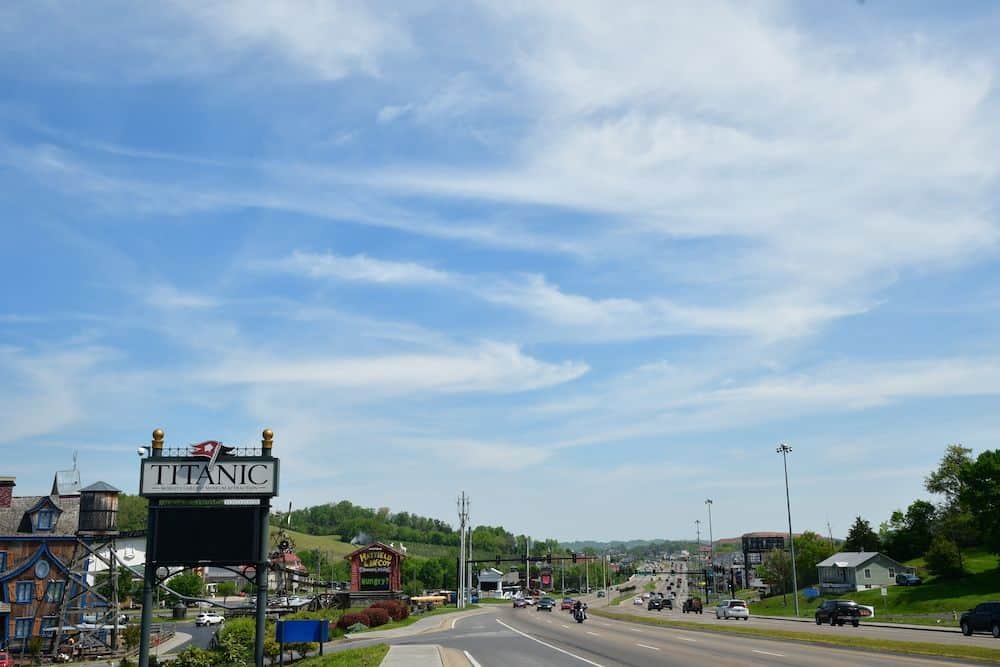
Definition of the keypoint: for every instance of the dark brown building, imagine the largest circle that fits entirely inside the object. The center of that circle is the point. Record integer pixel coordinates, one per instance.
(37, 540)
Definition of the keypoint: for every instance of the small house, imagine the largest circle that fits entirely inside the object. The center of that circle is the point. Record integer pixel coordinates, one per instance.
(858, 571)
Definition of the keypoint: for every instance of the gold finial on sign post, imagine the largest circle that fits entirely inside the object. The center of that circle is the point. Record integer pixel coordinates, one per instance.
(157, 442)
(267, 442)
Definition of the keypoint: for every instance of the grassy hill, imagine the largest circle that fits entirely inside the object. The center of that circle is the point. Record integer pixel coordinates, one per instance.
(335, 547)
(934, 601)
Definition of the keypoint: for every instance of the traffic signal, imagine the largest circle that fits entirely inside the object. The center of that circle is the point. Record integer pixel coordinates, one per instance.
(574, 557)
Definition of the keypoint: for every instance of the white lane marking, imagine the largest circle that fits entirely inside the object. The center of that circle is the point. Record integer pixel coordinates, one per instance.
(471, 660)
(592, 633)
(635, 629)
(651, 648)
(778, 655)
(554, 648)
(565, 626)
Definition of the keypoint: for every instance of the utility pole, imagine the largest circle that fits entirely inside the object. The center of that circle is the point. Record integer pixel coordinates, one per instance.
(463, 518)
(784, 450)
(711, 543)
(527, 566)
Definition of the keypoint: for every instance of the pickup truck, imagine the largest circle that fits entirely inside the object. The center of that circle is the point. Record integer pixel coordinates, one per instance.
(838, 612)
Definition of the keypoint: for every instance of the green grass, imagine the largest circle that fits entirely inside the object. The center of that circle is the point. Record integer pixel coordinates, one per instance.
(338, 549)
(935, 602)
(864, 643)
(370, 656)
(413, 618)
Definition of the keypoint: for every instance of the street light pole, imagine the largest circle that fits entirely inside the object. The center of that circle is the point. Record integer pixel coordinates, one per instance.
(711, 543)
(784, 450)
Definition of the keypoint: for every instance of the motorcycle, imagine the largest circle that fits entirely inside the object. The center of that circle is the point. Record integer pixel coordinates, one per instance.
(580, 614)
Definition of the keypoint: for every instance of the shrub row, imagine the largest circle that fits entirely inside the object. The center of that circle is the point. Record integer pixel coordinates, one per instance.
(378, 614)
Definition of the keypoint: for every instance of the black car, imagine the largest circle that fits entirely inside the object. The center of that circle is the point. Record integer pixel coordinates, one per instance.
(545, 604)
(667, 603)
(908, 580)
(654, 604)
(984, 618)
(838, 612)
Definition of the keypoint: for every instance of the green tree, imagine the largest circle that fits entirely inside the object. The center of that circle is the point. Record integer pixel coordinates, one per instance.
(810, 549)
(954, 520)
(131, 636)
(980, 495)
(861, 537)
(776, 571)
(187, 584)
(943, 559)
(132, 512)
(225, 589)
(908, 535)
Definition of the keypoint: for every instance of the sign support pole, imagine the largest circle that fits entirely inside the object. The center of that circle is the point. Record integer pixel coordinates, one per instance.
(258, 648)
(149, 574)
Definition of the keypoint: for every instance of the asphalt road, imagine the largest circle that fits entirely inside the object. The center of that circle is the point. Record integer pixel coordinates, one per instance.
(526, 638)
(200, 636)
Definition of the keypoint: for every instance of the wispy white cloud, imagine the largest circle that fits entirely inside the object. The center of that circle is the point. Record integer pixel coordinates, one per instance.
(169, 297)
(358, 268)
(491, 367)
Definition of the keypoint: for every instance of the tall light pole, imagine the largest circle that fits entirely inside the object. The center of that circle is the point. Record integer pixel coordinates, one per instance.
(711, 542)
(784, 450)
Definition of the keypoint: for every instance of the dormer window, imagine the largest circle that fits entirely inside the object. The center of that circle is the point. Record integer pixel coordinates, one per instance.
(45, 519)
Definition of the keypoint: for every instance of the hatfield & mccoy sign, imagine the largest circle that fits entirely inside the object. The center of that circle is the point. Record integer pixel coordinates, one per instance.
(376, 567)
(209, 471)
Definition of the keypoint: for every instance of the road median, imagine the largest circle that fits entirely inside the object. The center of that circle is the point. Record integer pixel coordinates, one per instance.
(865, 643)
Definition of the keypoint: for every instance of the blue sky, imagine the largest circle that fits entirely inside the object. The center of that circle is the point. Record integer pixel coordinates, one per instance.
(589, 262)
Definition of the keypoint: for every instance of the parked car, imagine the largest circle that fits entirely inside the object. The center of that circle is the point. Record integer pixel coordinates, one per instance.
(567, 603)
(600, 594)
(838, 612)
(545, 604)
(692, 605)
(985, 617)
(209, 618)
(728, 609)
(654, 604)
(637, 602)
(5, 660)
(519, 603)
(908, 580)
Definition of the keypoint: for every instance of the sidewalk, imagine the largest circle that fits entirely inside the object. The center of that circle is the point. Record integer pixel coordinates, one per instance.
(422, 655)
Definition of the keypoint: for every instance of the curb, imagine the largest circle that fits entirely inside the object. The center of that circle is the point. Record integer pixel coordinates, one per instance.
(893, 626)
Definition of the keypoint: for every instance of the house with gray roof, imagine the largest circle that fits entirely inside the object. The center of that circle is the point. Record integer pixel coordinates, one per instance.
(858, 571)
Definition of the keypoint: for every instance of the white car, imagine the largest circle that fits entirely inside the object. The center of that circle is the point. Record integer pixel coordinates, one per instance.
(209, 618)
(728, 609)
(637, 602)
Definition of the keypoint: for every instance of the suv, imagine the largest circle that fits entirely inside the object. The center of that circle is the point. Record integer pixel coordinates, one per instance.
(654, 604)
(209, 618)
(908, 580)
(728, 609)
(692, 605)
(838, 612)
(984, 618)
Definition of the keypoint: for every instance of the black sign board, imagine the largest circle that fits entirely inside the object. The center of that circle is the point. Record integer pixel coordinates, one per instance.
(374, 581)
(220, 535)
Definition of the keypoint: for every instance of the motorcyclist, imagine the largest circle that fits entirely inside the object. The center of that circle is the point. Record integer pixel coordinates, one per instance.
(578, 606)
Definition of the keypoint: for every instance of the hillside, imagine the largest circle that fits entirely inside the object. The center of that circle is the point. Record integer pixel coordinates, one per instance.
(931, 602)
(332, 545)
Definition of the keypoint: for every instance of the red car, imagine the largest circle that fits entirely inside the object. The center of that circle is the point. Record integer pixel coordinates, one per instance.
(5, 660)
(567, 603)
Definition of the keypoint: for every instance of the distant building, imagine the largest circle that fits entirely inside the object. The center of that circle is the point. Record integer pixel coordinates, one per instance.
(756, 546)
(491, 582)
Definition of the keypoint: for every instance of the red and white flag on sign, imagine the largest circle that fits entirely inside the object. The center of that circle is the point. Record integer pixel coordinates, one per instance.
(210, 449)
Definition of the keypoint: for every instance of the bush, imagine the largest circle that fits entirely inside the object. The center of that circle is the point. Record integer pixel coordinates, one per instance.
(397, 610)
(352, 617)
(377, 617)
(194, 657)
(942, 558)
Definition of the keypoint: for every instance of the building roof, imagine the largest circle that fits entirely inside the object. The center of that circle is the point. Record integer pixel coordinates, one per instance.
(765, 533)
(852, 559)
(66, 483)
(101, 486)
(12, 519)
(385, 547)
